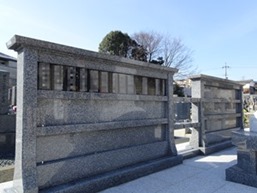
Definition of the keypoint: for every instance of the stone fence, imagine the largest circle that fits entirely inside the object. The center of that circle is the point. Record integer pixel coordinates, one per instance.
(87, 121)
(219, 112)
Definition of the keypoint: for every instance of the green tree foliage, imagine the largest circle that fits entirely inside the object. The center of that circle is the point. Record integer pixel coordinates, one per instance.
(116, 43)
(120, 44)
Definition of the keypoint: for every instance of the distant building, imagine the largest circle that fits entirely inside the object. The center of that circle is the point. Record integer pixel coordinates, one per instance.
(9, 64)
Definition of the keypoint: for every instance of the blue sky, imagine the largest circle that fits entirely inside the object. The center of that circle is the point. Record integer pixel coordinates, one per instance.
(218, 31)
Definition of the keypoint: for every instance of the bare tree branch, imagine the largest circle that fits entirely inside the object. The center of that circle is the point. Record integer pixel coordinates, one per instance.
(167, 51)
(150, 41)
(177, 55)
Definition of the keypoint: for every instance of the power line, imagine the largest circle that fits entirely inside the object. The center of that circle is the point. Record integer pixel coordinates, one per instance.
(226, 68)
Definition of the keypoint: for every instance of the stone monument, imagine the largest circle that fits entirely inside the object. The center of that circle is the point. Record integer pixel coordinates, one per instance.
(245, 171)
(84, 124)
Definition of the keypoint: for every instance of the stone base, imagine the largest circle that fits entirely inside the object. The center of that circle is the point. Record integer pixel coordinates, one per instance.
(236, 174)
(115, 178)
(6, 174)
(216, 147)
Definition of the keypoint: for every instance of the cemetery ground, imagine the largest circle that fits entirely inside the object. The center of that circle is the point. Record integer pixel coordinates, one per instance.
(200, 174)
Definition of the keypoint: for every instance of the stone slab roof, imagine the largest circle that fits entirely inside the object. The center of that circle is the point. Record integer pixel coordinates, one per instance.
(6, 57)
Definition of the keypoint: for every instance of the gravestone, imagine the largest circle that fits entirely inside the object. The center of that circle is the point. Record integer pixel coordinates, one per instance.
(245, 171)
(253, 122)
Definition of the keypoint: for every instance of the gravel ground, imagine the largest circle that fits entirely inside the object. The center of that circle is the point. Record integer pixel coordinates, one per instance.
(6, 160)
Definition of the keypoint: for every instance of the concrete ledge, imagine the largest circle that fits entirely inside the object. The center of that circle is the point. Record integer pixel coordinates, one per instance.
(46, 94)
(216, 147)
(6, 173)
(74, 128)
(235, 174)
(187, 154)
(116, 177)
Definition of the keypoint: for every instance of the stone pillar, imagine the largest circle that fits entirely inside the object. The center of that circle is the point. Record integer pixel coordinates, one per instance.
(14, 95)
(197, 115)
(170, 130)
(25, 175)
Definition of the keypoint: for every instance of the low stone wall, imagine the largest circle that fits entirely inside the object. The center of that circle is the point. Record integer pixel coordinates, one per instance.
(87, 121)
(6, 173)
(245, 171)
(220, 112)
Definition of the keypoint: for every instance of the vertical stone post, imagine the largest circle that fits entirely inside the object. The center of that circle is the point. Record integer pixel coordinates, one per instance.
(170, 111)
(240, 106)
(25, 176)
(13, 95)
(197, 114)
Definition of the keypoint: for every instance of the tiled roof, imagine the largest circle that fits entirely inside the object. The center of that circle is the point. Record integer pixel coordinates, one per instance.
(6, 57)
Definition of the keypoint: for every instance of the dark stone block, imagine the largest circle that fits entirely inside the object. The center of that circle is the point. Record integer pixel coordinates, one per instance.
(183, 111)
(215, 147)
(115, 178)
(7, 123)
(236, 174)
(245, 170)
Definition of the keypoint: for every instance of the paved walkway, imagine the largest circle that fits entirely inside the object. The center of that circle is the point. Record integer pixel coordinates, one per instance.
(201, 174)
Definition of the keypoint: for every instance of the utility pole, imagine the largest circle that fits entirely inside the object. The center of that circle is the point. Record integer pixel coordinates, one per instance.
(226, 68)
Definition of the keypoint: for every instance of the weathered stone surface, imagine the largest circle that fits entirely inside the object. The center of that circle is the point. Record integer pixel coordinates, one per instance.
(221, 112)
(82, 132)
(253, 122)
(245, 171)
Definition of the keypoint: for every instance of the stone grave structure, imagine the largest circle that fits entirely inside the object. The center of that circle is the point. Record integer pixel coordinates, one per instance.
(4, 82)
(7, 122)
(245, 171)
(219, 112)
(87, 121)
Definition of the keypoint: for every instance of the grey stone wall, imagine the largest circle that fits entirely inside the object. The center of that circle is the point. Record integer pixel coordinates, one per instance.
(7, 122)
(220, 111)
(4, 83)
(7, 133)
(87, 121)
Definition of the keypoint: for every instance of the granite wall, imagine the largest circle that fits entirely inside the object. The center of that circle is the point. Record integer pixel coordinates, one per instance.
(4, 84)
(87, 121)
(220, 112)
(7, 122)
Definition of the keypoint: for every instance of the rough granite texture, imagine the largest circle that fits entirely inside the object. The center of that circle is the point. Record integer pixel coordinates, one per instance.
(220, 113)
(245, 171)
(84, 142)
